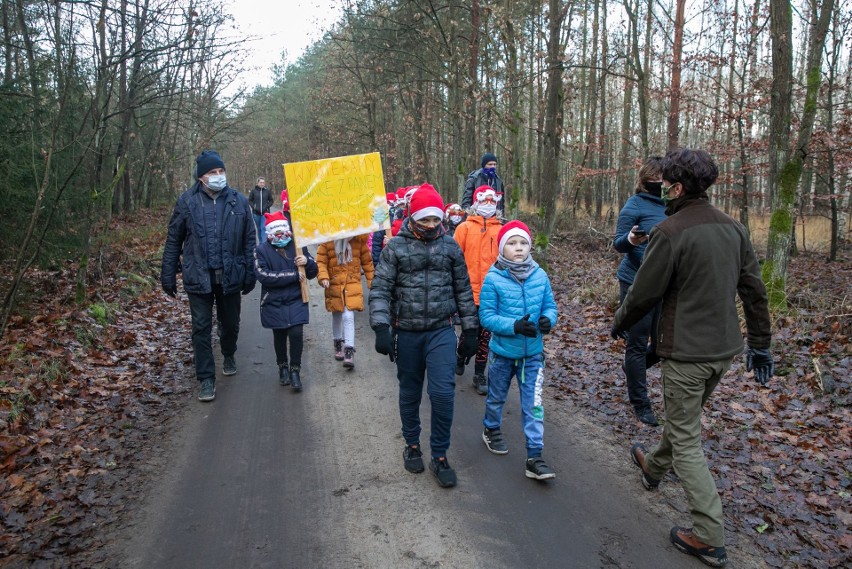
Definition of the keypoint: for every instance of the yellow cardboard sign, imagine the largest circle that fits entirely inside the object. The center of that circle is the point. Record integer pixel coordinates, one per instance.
(336, 198)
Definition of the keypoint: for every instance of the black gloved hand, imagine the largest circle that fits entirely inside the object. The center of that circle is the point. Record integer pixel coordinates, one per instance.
(617, 333)
(470, 343)
(247, 288)
(384, 341)
(525, 327)
(760, 360)
(544, 324)
(170, 290)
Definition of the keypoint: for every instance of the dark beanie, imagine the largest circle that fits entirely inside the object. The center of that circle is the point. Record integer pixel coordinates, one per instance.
(486, 158)
(206, 161)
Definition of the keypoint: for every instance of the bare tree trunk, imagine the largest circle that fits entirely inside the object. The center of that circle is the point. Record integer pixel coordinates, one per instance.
(673, 127)
(790, 171)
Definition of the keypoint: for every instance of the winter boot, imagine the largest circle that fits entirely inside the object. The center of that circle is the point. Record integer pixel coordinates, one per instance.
(295, 379)
(338, 350)
(349, 357)
(283, 374)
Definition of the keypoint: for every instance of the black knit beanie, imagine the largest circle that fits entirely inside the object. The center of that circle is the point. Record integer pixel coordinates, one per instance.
(206, 161)
(486, 158)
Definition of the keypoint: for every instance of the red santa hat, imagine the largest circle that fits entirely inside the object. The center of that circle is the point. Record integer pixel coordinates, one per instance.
(400, 193)
(276, 222)
(452, 206)
(510, 230)
(390, 197)
(426, 201)
(483, 192)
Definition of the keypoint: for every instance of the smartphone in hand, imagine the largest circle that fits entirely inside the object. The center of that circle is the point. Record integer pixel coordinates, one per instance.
(640, 232)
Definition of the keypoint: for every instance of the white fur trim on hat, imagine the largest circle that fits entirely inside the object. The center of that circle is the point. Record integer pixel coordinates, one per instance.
(511, 232)
(426, 212)
(277, 225)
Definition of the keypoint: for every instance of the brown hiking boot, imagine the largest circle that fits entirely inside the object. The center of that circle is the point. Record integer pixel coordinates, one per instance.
(686, 542)
(637, 454)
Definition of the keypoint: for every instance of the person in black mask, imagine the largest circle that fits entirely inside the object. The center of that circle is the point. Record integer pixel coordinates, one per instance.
(642, 211)
(485, 176)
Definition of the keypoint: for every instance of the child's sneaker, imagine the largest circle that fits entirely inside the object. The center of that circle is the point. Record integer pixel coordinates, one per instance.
(538, 469)
(480, 383)
(413, 458)
(443, 472)
(349, 357)
(494, 441)
(338, 350)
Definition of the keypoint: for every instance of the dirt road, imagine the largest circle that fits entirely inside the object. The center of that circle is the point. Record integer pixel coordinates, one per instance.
(264, 477)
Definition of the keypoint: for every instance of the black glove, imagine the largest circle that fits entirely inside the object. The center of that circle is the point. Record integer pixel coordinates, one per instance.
(760, 360)
(525, 327)
(384, 341)
(617, 333)
(247, 288)
(544, 324)
(470, 343)
(170, 290)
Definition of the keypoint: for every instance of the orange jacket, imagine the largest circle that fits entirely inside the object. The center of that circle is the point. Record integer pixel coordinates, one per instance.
(345, 288)
(477, 237)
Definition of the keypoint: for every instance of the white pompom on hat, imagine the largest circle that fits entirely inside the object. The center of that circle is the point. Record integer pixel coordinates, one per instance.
(510, 230)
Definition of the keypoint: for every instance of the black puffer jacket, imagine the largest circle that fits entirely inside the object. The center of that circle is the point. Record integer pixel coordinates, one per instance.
(419, 285)
(186, 241)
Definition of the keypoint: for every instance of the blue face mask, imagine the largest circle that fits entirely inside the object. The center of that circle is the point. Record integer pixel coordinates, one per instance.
(279, 242)
(217, 182)
(490, 172)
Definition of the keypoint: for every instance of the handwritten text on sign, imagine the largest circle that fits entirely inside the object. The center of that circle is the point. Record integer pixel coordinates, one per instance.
(335, 198)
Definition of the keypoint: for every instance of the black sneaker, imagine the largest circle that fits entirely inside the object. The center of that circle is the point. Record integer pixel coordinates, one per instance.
(686, 542)
(229, 366)
(413, 457)
(208, 390)
(637, 454)
(480, 383)
(538, 469)
(494, 441)
(647, 416)
(443, 472)
(459, 366)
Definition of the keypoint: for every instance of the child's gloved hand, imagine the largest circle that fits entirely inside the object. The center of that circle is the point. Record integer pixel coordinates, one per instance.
(544, 324)
(524, 327)
(384, 341)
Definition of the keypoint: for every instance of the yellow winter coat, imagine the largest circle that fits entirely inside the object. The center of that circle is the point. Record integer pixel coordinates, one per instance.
(345, 280)
(477, 237)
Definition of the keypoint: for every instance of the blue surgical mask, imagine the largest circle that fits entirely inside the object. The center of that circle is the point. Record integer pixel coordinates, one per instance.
(217, 182)
(280, 242)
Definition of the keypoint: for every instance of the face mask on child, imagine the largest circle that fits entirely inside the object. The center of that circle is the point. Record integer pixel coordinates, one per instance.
(486, 209)
(280, 240)
(456, 219)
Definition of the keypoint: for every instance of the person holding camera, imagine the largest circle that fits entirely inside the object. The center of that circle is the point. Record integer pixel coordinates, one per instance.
(642, 211)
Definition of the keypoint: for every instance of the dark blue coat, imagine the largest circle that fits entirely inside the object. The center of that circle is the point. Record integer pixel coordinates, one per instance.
(646, 211)
(281, 303)
(187, 243)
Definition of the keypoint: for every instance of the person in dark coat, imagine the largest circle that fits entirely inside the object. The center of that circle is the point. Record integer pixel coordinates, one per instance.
(698, 261)
(212, 238)
(485, 176)
(419, 284)
(261, 200)
(276, 265)
(642, 211)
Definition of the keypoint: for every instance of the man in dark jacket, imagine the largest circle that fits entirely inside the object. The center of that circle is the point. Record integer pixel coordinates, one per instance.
(211, 238)
(697, 260)
(485, 176)
(419, 284)
(261, 200)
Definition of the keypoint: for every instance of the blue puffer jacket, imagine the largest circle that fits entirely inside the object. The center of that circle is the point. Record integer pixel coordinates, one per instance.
(281, 303)
(187, 239)
(646, 211)
(503, 300)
